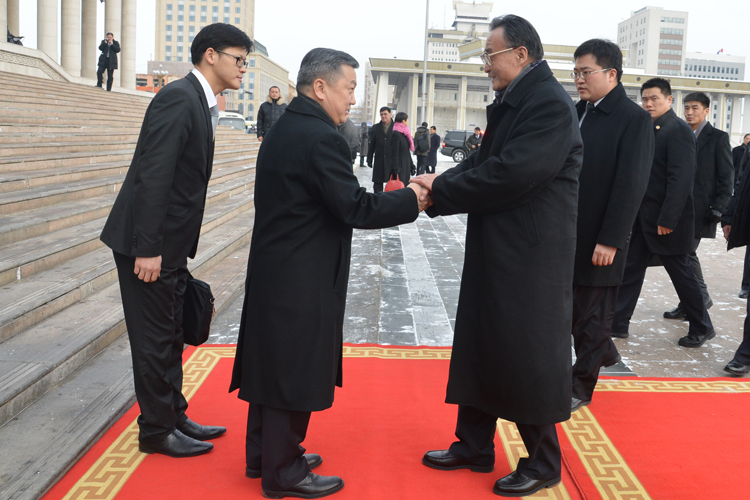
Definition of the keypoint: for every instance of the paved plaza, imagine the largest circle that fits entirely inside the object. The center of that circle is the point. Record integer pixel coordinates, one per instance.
(404, 283)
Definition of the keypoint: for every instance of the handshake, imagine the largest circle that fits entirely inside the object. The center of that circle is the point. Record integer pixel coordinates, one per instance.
(422, 186)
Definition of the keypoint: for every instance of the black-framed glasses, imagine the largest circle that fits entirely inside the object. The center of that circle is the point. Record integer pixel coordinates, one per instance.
(585, 74)
(240, 61)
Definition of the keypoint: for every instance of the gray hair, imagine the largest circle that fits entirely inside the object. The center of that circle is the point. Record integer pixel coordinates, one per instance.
(325, 64)
(520, 33)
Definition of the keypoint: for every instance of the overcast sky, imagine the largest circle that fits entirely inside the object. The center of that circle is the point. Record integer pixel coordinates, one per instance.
(395, 28)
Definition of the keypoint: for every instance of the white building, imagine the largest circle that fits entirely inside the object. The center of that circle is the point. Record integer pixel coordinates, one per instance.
(655, 39)
(719, 66)
(472, 23)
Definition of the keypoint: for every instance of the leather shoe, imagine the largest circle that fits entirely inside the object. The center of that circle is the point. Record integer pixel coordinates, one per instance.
(743, 293)
(443, 460)
(619, 335)
(736, 368)
(576, 403)
(696, 340)
(676, 313)
(313, 460)
(516, 484)
(612, 361)
(312, 486)
(200, 432)
(176, 445)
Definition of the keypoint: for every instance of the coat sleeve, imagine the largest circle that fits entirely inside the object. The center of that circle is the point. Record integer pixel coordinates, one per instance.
(635, 153)
(531, 157)
(724, 174)
(681, 164)
(260, 121)
(103, 46)
(331, 182)
(115, 46)
(169, 126)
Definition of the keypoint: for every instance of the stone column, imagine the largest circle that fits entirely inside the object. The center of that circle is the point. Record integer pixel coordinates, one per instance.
(89, 39)
(463, 90)
(13, 20)
(431, 100)
(414, 101)
(127, 44)
(113, 24)
(46, 27)
(70, 55)
(381, 95)
(4, 17)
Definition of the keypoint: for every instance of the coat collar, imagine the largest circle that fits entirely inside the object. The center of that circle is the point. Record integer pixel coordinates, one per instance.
(704, 136)
(304, 105)
(609, 103)
(530, 80)
(663, 119)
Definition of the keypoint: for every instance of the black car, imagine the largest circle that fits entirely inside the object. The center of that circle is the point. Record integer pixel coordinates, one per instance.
(454, 144)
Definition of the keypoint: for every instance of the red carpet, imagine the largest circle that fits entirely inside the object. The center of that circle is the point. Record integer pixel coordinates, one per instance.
(639, 439)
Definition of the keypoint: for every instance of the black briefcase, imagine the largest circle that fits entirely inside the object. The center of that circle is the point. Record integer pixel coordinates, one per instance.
(197, 311)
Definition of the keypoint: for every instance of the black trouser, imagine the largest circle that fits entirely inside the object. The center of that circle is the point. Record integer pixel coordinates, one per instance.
(273, 444)
(746, 271)
(680, 271)
(421, 164)
(153, 315)
(593, 312)
(695, 263)
(100, 77)
(475, 430)
(377, 187)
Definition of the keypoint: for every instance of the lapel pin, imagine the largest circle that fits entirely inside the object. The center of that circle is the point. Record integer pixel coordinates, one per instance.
(658, 127)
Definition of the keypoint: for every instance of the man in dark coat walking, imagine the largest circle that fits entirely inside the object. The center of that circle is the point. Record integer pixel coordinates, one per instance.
(307, 200)
(154, 227)
(520, 191)
(618, 141)
(473, 142)
(434, 147)
(380, 149)
(738, 153)
(364, 143)
(421, 139)
(713, 184)
(665, 222)
(107, 60)
(270, 111)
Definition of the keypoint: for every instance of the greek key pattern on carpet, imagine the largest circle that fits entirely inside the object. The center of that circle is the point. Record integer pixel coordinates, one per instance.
(698, 386)
(395, 353)
(110, 473)
(514, 449)
(606, 467)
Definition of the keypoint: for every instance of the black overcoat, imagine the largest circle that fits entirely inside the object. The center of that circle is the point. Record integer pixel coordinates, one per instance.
(668, 201)
(159, 209)
(434, 148)
(307, 200)
(618, 140)
(714, 178)
(520, 191)
(380, 148)
(401, 162)
(110, 63)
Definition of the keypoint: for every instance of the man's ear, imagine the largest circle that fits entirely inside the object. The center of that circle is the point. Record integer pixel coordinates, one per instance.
(319, 88)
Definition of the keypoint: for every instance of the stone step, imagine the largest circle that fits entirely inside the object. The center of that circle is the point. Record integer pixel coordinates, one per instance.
(50, 435)
(41, 148)
(44, 275)
(38, 358)
(76, 137)
(65, 129)
(76, 112)
(93, 120)
(25, 99)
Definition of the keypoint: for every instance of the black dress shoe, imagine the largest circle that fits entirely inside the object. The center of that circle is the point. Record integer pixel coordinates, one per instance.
(176, 445)
(612, 361)
(736, 368)
(312, 486)
(200, 432)
(516, 484)
(576, 403)
(619, 335)
(696, 340)
(443, 460)
(744, 293)
(676, 313)
(313, 460)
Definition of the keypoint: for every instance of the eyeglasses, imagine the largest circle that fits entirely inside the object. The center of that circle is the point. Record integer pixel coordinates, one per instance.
(241, 61)
(583, 75)
(487, 58)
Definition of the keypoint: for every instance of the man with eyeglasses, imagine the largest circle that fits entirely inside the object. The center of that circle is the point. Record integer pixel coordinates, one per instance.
(270, 111)
(665, 222)
(154, 227)
(520, 191)
(618, 141)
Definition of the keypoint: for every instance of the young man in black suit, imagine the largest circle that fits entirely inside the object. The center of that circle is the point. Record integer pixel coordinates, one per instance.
(618, 141)
(712, 187)
(154, 227)
(665, 222)
(380, 149)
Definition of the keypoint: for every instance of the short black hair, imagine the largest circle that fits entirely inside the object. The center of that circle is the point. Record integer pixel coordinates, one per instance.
(477, 128)
(273, 87)
(110, 33)
(699, 97)
(424, 124)
(218, 36)
(400, 117)
(323, 63)
(433, 128)
(519, 33)
(385, 108)
(659, 83)
(606, 54)
(746, 135)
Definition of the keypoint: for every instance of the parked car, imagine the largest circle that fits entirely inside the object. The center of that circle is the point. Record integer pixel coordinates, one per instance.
(229, 119)
(454, 144)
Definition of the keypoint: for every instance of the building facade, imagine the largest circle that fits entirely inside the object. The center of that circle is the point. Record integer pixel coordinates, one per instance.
(719, 66)
(472, 21)
(655, 39)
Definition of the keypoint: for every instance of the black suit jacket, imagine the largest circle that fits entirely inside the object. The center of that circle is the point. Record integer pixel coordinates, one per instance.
(737, 154)
(113, 50)
(618, 142)
(159, 209)
(668, 201)
(714, 179)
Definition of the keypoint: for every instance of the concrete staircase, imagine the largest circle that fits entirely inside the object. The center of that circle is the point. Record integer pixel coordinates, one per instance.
(65, 369)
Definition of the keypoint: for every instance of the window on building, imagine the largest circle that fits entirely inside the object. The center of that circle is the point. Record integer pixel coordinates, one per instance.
(237, 10)
(237, 20)
(179, 39)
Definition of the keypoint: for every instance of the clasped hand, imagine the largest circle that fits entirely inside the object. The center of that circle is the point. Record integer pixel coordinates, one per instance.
(422, 186)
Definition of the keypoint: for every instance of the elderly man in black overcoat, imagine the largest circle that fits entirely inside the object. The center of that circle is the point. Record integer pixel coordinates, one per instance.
(618, 140)
(307, 200)
(666, 222)
(380, 149)
(520, 190)
(713, 184)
